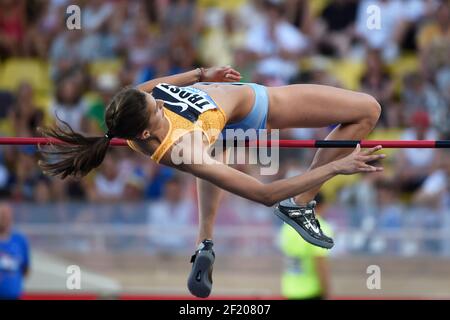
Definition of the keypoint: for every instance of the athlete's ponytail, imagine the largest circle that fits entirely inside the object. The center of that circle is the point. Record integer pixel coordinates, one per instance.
(76, 157)
(126, 117)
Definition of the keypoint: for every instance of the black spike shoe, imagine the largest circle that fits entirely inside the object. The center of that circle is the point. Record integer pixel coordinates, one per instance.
(200, 279)
(303, 220)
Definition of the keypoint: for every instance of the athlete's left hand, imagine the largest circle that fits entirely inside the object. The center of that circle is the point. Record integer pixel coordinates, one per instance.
(221, 74)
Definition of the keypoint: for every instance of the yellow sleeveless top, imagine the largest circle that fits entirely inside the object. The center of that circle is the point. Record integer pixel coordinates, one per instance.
(198, 112)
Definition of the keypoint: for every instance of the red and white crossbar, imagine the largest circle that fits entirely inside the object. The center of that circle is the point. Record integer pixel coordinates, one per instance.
(269, 143)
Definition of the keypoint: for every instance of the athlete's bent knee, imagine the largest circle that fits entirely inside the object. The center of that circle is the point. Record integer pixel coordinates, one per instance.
(372, 110)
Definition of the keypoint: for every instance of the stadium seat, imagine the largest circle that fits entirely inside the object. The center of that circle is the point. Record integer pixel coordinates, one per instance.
(42, 100)
(99, 67)
(348, 72)
(6, 127)
(402, 66)
(318, 6)
(331, 188)
(225, 5)
(387, 134)
(17, 70)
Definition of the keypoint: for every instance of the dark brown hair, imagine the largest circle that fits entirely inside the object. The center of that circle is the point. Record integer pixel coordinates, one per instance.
(126, 117)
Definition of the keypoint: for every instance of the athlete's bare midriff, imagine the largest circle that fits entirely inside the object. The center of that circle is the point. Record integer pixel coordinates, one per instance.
(236, 101)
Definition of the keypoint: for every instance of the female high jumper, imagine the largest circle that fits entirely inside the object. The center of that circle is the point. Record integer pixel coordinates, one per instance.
(157, 116)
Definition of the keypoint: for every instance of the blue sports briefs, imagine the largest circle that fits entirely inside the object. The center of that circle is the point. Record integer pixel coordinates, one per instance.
(257, 117)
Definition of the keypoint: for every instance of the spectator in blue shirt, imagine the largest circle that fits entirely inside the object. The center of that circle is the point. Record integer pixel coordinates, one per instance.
(14, 256)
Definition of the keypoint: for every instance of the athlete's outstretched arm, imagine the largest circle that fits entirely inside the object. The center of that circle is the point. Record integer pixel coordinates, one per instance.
(213, 74)
(268, 194)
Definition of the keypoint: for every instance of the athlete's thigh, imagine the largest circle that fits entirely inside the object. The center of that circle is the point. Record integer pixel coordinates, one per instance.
(308, 105)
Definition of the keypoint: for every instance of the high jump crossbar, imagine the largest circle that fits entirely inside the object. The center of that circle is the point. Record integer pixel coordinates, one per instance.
(424, 144)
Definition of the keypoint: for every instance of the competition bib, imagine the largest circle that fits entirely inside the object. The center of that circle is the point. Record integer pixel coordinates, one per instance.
(187, 102)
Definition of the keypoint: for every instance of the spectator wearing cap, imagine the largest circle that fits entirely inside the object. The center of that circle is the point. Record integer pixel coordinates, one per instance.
(420, 94)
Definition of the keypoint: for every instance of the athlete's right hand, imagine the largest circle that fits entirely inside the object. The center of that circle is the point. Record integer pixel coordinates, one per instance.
(356, 162)
(220, 74)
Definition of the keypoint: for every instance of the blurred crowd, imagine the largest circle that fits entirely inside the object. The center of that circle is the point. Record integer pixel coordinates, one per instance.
(402, 58)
